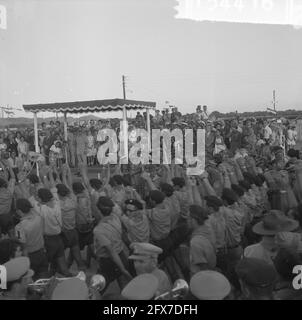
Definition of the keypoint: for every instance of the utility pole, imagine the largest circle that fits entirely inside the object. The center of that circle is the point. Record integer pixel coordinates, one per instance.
(274, 100)
(124, 89)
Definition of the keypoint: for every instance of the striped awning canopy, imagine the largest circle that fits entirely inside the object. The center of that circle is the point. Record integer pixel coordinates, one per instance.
(90, 106)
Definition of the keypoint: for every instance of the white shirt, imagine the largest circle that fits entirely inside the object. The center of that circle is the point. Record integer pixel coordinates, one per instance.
(291, 137)
(267, 132)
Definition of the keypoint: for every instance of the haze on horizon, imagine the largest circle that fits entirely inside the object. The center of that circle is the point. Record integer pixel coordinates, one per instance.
(73, 50)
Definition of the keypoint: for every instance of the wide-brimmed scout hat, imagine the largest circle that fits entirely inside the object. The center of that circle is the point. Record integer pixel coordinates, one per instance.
(274, 222)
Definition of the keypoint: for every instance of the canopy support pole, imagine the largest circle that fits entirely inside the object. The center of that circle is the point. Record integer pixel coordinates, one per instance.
(149, 130)
(37, 149)
(124, 159)
(65, 136)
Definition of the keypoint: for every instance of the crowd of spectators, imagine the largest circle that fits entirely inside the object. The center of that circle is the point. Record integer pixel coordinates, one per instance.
(233, 232)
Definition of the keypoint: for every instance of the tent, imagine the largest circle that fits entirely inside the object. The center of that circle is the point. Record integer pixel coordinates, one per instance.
(92, 106)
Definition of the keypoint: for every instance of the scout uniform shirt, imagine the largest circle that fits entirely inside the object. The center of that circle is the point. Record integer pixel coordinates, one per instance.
(137, 225)
(184, 202)
(202, 249)
(263, 250)
(218, 224)
(52, 220)
(174, 209)
(68, 210)
(234, 224)
(108, 233)
(30, 232)
(160, 222)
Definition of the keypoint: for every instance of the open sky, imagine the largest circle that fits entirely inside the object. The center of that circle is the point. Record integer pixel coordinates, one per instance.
(70, 50)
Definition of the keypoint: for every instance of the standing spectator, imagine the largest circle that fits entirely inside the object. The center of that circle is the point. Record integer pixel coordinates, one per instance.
(139, 117)
(199, 112)
(157, 119)
(3, 146)
(210, 140)
(13, 161)
(249, 138)
(235, 137)
(219, 143)
(81, 147)
(167, 117)
(204, 113)
(291, 137)
(56, 153)
(52, 125)
(47, 143)
(175, 115)
(267, 131)
(91, 150)
(18, 136)
(12, 145)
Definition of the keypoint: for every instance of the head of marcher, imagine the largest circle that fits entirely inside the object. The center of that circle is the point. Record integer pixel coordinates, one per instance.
(213, 203)
(62, 190)
(78, 188)
(238, 190)
(23, 207)
(178, 183)
(197, 217)
(229, 197)
(167, 189)
(96, 184)
(105, 205)
(156, 197)
(46, 197)
(257, 278)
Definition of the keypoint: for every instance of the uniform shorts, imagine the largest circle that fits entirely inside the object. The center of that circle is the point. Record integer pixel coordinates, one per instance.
(54, 247)
(85, 239)
(38, 263)
(70, 238)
